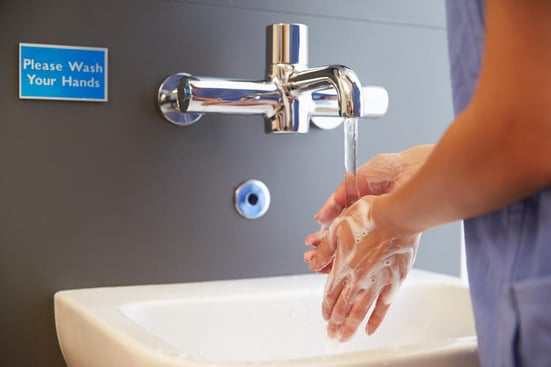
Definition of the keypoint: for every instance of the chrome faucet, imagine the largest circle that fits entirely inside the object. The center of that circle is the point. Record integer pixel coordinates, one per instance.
(291, 95)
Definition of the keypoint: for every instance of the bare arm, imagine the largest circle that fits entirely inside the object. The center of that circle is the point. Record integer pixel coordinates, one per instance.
(496, 152)
(499, 149)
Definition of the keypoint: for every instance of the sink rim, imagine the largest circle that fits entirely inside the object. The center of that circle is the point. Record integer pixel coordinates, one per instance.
(101, 311)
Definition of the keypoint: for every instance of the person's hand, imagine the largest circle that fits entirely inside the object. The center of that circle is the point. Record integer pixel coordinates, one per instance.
(380, 175)
(377, 176)
(370, 261)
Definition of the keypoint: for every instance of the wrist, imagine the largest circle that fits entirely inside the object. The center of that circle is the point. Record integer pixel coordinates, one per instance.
(386, 214)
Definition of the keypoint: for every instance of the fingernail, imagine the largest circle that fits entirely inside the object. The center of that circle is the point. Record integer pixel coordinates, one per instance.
(370, 330)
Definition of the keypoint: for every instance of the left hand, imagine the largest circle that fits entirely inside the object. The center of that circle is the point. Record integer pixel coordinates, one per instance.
(369, 262)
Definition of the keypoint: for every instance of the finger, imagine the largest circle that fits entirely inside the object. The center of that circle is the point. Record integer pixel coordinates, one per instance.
(309, 256)
(341, 310)
(332, 207)
(359, 310)
(320, 257)
(333, 289)
(314, 239)
(341, 236)
(379, 312)
(326, 269)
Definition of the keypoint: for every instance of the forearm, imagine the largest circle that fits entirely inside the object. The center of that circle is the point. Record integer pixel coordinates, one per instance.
(498, 150)
(470, 172)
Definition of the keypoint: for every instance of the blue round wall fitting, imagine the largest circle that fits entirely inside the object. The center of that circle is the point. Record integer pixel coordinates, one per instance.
(252, 199)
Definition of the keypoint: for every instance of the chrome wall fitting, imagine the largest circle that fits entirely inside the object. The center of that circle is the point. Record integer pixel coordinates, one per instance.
(167, 98)
(290, 96)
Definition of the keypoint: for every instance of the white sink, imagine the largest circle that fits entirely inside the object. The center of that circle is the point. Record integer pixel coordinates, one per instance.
(266, 322)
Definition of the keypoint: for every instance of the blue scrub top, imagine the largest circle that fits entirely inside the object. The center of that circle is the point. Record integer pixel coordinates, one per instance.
(509, 250)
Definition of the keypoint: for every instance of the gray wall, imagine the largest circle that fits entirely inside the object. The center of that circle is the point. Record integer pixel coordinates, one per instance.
(102, 194)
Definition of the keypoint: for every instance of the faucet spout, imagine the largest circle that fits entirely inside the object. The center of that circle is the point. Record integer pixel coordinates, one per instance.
(341, 78)
(227, 96)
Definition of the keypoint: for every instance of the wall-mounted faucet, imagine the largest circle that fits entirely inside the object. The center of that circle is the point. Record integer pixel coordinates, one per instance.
(291, 95)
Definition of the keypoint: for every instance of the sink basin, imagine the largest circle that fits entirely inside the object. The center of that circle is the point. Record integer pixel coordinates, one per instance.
(264, 321)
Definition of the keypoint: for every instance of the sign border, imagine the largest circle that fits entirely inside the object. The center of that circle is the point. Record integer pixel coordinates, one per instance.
(43, 45)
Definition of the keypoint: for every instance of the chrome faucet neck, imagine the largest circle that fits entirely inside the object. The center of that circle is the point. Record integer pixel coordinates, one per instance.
(288, 97)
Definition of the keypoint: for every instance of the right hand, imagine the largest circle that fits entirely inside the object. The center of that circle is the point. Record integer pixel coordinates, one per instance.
(380, 175)
(371, 259)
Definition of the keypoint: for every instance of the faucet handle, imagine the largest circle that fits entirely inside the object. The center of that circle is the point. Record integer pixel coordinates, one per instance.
(374, 104)
(375, 101)
(287, 44)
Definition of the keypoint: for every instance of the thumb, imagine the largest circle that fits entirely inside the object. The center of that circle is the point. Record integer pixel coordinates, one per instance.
(345, 194)
(331, 208)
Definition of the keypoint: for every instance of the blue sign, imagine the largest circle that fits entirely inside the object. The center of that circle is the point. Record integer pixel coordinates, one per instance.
(62, 72)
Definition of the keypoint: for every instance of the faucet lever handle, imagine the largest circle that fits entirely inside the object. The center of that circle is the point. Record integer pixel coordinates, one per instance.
(287, 44)
(375, 99)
